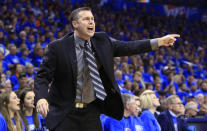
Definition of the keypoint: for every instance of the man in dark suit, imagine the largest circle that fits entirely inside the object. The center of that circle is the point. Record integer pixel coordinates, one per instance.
(79, 68)
(169, 120)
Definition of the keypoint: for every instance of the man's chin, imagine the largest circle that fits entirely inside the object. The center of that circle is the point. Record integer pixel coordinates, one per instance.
(91, 34)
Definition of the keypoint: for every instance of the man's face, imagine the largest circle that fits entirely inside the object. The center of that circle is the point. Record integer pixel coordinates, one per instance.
(177, 106)
(132, 107)
(204, 86)
(84, 26)
(138, 108)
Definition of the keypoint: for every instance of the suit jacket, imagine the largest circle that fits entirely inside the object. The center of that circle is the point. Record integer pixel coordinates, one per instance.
(59, 69)
(166, 122)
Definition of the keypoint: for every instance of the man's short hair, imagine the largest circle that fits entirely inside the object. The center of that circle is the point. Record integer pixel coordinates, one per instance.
(74, 14)
(127, 98)
(170, 99)
(191, 105)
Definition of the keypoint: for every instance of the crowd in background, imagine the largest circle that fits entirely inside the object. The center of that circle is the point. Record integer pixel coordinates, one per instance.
(26, 27)
(192, 3)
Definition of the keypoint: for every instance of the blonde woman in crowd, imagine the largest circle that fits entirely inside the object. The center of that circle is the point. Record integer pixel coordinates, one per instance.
(149, 103)
(9, 116)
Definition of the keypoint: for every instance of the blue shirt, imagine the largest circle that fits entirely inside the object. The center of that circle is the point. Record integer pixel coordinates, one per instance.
(149, 121)
(3, 124)
(31, 122)
(115, 125)
(14, 124)
(138, 124)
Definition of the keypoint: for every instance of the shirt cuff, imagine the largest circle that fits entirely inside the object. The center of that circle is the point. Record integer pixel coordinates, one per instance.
(154, 44)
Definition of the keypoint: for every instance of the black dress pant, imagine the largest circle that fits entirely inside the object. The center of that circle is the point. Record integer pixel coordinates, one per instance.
(82, 119)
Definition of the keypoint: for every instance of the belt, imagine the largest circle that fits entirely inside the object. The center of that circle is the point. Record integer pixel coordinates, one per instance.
(80, 105)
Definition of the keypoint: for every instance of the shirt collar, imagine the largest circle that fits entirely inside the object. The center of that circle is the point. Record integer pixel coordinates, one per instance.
(80, 42)
(173, 114)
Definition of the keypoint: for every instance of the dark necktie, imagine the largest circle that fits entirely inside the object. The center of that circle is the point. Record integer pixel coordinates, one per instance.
(93, 71)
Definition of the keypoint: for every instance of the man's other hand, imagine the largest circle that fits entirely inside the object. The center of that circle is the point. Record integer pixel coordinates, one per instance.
(42, 107)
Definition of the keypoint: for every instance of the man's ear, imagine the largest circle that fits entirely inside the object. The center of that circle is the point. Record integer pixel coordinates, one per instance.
(74, 23)
(127, 106)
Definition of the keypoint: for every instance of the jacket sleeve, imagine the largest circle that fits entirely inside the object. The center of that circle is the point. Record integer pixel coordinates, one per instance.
(163, 122)
(45, 73)
(121, 48)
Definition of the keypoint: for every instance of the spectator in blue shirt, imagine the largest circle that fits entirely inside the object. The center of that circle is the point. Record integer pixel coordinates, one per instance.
(118, 76)
(30, 42)
(127, 123)
(127, 87)
(17, 70)
(9, 107)
(138, 124)
(37, 60)
(182, 92)
(24, 59)
(31, 119)
(12, 58)
(203, 88)
(22, 38)
(148, 76)
(149, 103)
(125, 72)
(30, 73)
(193, 89)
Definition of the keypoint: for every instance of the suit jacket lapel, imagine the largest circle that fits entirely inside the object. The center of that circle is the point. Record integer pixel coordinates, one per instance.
(97, 49)
(71, 54)
(100, 53)
(171, 120)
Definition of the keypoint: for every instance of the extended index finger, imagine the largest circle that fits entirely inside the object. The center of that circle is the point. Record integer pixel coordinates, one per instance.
(174, 35)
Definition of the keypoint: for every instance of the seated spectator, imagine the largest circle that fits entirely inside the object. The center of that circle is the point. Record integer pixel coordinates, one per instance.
(149, 103)
(203, 88)
(148, 76)
(22, 82)
(31, 119)
(9, 116)
(149, 86)
(191, 109)
(137, 120)
(118, 76)
(12, 57)
(169, 120)
(24, 59)
(7, 85)
(125, 72)
(200, 99)
(17, 70)
(203, 110)
(37, 60)
(127, 87)
(182, 92)
(135, 87)
(30, 73)
(193, 89)
(137, 77)
(126, 123)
